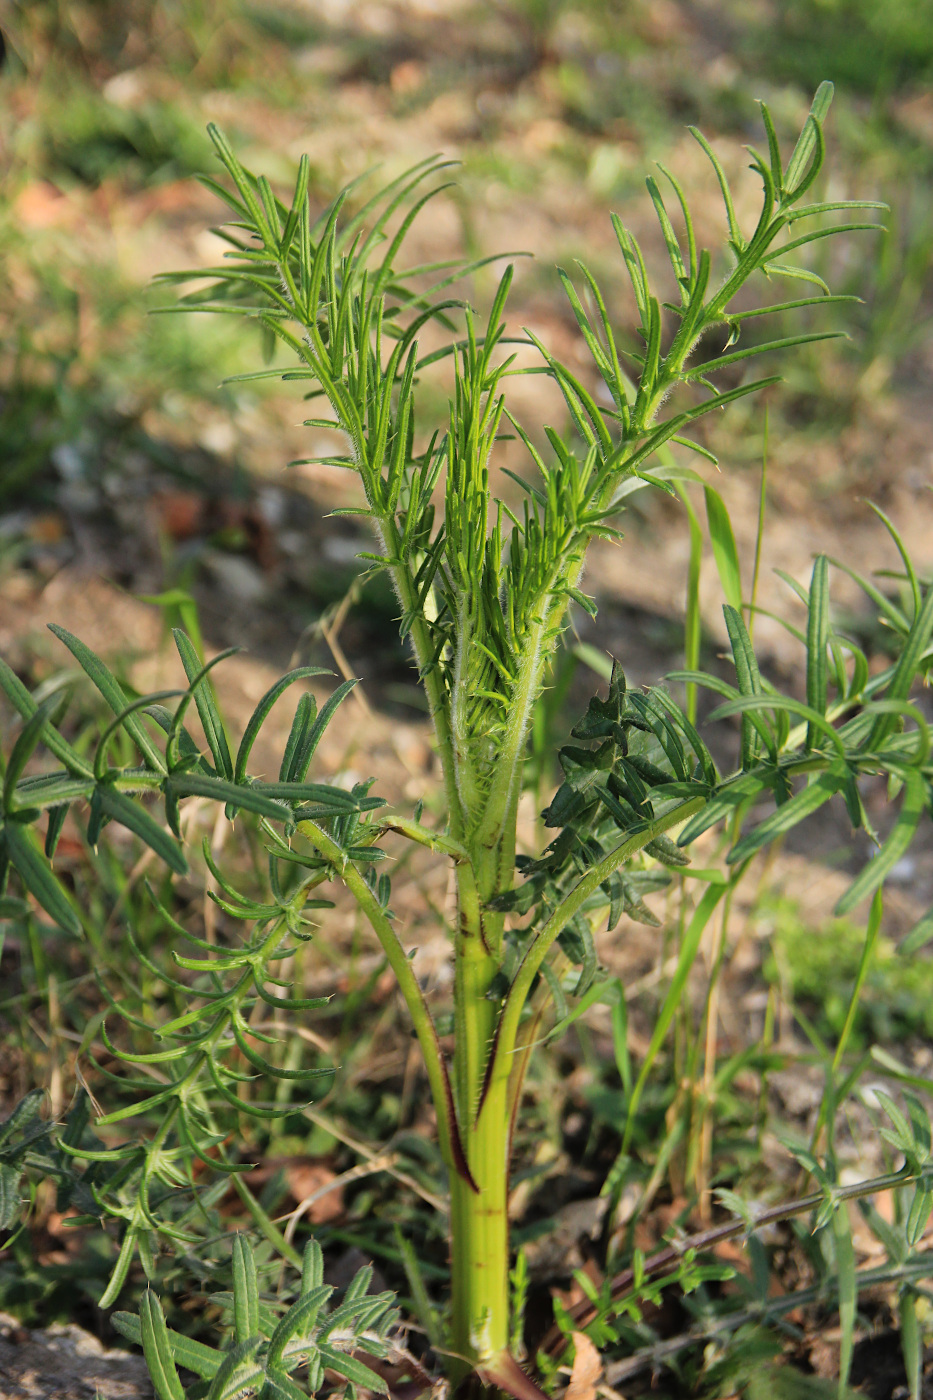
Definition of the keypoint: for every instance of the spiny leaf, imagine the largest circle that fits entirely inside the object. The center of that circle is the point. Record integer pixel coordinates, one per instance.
(245, 1291)
(354, 1371)
(299, 1322)
(261, 712)
(50, 790)
(239, 1371)
(157, 1349)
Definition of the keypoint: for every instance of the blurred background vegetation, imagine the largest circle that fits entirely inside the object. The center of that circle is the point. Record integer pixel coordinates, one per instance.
(128, 471)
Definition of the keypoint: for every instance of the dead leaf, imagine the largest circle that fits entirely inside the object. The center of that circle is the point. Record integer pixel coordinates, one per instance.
(312, 1179)
(305, 1176)
(587, 1369)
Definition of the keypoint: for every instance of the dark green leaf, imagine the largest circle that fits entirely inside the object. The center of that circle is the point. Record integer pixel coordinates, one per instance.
(204, 699)
(24, 748)
(298, 1323)
(25, 705)
(130, 814)
(245, 1291)
(238, 1371)
(787, 816)
(352, 1369)
(306, 750)
(37, 876)
(818, 629)
(808, 150)
(22, 1121)
(312, 1267)
(897, 844)
(157, 1349)
(749, 679)
(113, 693)
(301, 726)
(259, 715)
(279, 1386)
(51, 790)
(10, 1195)
(237, 794)
(194, 1356)
(335, 798)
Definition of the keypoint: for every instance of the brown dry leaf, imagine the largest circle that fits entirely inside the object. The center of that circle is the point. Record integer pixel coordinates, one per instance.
(587, 1369)
(306, 1179)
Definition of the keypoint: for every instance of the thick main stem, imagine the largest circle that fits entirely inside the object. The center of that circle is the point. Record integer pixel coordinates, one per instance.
(480, 1248)
(478, 1217)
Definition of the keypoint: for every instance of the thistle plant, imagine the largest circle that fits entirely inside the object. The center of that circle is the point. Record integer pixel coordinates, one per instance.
(485, 592)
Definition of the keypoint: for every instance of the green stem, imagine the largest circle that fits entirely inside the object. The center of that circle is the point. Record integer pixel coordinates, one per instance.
(474, 1024)
(479, 1218)
(424, 836)
(480, 1242)
(429, 673)
(547, 935)
(438, 1079)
